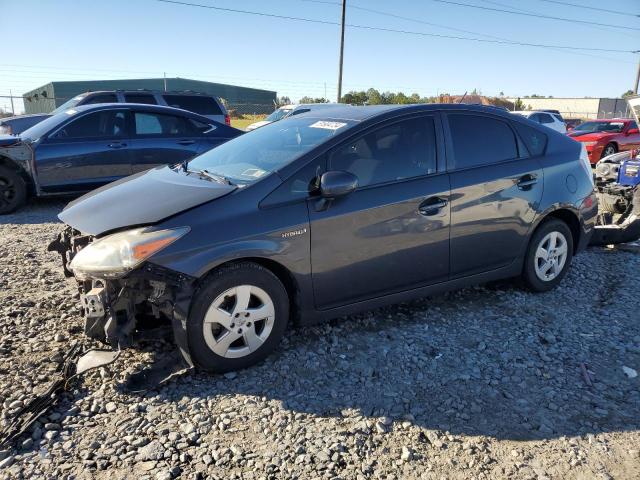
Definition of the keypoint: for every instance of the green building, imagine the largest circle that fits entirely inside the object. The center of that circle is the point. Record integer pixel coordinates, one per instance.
(48, 97)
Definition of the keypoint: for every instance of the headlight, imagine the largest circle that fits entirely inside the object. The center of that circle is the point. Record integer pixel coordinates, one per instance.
(116, 254)
(589, 144)
(603, 169)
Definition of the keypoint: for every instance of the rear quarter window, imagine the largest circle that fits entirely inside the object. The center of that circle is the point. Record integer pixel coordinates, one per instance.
(194, 103)
(534, 140)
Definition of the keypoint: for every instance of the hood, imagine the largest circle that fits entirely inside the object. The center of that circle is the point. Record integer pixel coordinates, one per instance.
(262, 123)
(143, 198)
(9, 140)
(591, 136)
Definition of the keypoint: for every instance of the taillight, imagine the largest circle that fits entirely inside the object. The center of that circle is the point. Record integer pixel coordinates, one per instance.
(227, 119)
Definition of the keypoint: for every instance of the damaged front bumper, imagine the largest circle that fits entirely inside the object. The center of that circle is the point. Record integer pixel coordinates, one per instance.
(118, 311)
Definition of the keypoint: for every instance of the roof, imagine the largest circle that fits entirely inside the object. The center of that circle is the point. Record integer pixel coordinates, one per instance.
(360, 113)
(142, 106)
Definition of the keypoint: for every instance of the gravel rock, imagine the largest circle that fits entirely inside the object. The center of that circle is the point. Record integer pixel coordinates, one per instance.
(444, 387)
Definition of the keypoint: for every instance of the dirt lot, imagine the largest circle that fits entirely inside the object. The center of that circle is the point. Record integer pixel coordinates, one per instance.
(480, 383)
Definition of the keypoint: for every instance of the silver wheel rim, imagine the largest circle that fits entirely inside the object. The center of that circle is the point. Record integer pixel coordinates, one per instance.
(609, 151)
(551, 256)
(238, 321)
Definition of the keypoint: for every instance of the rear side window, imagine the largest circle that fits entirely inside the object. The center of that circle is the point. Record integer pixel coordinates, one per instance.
(479, 140)
(159, 124)
(545, 118)
(140, 98)
(534, 140)
(405, 149)
(100, 98)
(194, 103)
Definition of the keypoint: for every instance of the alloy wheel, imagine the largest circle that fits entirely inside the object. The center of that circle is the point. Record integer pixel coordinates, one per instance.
(239, 321)
(608, 150)
(7, 192)
(551, 256)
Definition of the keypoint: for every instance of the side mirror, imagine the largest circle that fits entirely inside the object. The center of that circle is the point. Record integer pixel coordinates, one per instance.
(632, 131)
(337, 184)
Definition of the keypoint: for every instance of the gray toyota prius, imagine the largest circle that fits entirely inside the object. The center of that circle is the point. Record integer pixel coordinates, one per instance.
(325, 214)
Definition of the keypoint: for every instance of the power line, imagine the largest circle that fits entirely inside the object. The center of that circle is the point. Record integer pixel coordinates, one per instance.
(617, 12)
(438, 25)
(391, 30)
(548, 17)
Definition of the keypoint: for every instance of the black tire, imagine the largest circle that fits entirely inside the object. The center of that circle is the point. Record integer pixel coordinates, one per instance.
(529, 275)
(609, 149)
(13, 190)
(245, 273)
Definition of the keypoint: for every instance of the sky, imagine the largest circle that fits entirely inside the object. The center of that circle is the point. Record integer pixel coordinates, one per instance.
(46, 41)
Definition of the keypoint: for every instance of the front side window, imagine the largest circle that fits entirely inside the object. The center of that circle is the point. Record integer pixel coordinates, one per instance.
(147, 123)
(250, 157)
(103, 124)
(100, 98)
(140, 98)
(480, 140)
(405, 149)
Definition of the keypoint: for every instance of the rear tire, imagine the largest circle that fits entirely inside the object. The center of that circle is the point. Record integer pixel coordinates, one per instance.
(609, 149)
(548, 256)
(237, 318)
(13, 190)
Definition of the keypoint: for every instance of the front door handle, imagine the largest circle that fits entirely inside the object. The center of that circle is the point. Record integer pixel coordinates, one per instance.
(117, 145)
(527, 181)
(186, 142)
(432, 205)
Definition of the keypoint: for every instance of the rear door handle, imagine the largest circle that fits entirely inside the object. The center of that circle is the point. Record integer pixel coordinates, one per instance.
(186, 142)
(527, 181)
(432, 205)
(117, 145)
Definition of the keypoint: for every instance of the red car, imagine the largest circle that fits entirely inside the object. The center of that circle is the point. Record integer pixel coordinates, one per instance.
(604, 137)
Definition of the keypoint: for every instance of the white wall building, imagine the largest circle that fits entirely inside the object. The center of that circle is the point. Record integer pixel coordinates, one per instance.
(585, 108)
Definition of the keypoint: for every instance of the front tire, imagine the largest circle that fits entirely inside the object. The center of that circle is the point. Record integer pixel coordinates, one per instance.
(609, 149)
(548, 256)
(13, 190)
(237, 318)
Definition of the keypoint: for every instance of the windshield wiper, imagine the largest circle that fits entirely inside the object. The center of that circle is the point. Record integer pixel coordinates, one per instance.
(211, 176)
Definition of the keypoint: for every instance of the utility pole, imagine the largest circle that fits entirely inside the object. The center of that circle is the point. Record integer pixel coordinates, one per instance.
(637, 78)
(344, 10)
(165, 81)
(13, 110)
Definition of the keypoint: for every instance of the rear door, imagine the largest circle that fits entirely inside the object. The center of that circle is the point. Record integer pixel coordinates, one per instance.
(87, 152)
(162, 139)
(392, 233)
(496, 185)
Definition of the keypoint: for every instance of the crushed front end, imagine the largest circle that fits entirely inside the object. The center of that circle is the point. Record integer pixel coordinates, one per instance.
(148, 301)
(618, 189)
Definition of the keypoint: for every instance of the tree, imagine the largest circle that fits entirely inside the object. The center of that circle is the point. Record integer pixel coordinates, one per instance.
(283, 101)
(374, 97)
(306, 99)
(628, 94)
(518, 105)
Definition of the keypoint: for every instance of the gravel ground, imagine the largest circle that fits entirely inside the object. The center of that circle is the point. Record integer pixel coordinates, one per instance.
(480, 383)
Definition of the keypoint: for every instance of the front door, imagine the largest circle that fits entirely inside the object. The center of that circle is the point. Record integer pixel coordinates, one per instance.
(162, 139)
(496, 185)
(392, 233)
(86, 153)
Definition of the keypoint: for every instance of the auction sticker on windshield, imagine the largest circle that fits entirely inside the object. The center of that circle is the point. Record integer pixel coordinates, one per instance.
(327, 125)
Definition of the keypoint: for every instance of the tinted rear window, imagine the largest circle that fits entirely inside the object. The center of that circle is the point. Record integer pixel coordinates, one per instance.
(194, 103)
(534, 140)
(479, 140)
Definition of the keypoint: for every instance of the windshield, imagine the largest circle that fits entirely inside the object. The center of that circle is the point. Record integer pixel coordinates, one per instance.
(279, 114)
(252, 156)
(68, 104)
(592, 127)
